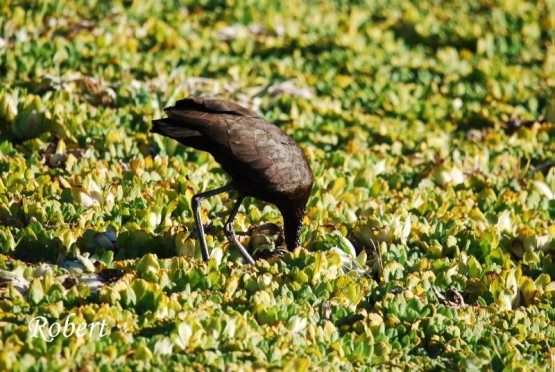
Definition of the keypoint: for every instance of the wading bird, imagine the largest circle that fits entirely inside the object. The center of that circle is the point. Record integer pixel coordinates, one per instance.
(263, 161)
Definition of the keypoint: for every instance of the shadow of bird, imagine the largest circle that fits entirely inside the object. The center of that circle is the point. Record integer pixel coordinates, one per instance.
(263, 161)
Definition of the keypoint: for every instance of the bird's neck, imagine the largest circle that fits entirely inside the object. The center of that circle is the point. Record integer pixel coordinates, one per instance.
(293, 223)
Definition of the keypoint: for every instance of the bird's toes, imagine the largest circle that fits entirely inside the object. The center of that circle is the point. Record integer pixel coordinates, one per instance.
(278, 252)
(266, 228)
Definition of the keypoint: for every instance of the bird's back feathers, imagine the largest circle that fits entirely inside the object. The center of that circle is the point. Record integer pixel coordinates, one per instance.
(210, 105)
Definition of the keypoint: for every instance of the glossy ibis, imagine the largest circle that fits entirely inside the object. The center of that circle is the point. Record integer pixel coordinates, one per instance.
(263, 161)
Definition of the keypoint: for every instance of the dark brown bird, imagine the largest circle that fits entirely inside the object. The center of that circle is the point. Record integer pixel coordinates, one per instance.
(263, 161)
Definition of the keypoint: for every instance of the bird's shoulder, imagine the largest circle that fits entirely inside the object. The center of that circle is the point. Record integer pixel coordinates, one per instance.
(268, 150)
(254, 139)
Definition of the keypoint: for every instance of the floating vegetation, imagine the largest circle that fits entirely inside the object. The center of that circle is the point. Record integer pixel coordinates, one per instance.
(430, 128)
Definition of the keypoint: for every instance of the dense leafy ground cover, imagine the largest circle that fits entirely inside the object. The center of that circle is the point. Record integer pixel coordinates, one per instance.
(418, 121)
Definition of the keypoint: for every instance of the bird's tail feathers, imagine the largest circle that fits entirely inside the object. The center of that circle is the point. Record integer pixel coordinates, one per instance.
(168, 128)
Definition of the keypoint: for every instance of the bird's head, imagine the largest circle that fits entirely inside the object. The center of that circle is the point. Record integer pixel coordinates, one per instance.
(293, 214)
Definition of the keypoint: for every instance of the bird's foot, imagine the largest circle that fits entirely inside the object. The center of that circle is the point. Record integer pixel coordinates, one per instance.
(267, 254)
(266, 241)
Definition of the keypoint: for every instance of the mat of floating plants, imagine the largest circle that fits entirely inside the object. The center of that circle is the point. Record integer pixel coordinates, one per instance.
(429, 236)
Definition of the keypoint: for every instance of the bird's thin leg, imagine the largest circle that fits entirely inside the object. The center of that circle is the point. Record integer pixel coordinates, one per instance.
(228, 228)
(196, 205)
